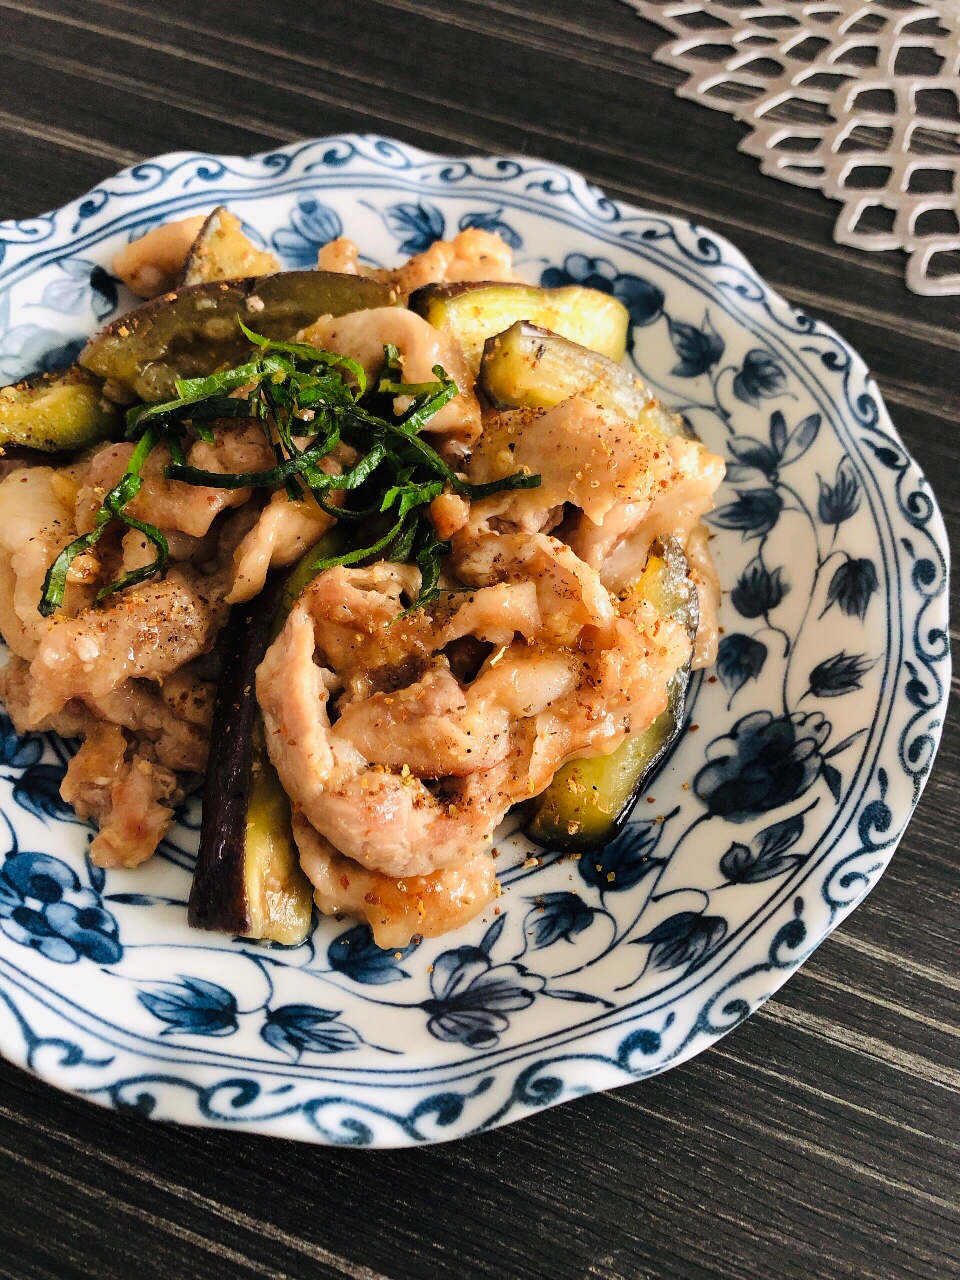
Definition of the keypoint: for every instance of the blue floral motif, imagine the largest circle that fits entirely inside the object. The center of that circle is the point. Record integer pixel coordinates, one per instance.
(103, 287)
(755, 512)
(750, 455)
(312, 225)
(698, 350)
(889, 457)
(192, 1005)
(838, 675)
(493, 222)
(356, 955)
(761, 376)
(739, 658)
(624, 861)
(852, 586)
(841, 500)
(417, 225)
(791, 445)
(555, 916)
(763, 763)
(27, 349)
(758, 590)
(296, 1029)
(686, 938)
(642, 298)
(43, 905)
(82, 282)
(18, 752)
(37, 790)
(784, 448)
(472, 996)
(766, 855)
(59, 356)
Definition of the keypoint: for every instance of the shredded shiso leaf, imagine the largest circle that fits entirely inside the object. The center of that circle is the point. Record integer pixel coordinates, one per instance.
(307, 401)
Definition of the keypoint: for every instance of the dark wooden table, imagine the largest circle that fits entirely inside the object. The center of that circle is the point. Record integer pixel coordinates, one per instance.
(818, 1141)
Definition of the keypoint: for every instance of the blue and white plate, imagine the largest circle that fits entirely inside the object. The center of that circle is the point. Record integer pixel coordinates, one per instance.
(803, 758)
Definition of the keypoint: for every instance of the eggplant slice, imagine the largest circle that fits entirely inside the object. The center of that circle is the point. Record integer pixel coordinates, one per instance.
(222, 252)
(588, 801)
(528, 367)
(248, 880)
(194, 331)
(472, 313)
(57, 412)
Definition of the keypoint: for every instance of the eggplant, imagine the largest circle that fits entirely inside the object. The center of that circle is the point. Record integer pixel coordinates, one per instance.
(588, 801)
(194, 331)
(55, 412)
(528, 367)
(248, 880)
(222, 252)
(472, 313)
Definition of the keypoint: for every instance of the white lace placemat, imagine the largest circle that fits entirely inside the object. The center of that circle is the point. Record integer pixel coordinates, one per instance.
(860, 98)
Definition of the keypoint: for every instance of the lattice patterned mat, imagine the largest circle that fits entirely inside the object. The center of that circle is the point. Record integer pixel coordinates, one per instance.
(858, 97)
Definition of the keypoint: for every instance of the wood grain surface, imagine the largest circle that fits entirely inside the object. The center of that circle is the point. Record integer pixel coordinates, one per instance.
(821, 1140)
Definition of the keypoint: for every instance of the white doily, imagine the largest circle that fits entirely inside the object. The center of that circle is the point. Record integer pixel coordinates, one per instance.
(858, 97)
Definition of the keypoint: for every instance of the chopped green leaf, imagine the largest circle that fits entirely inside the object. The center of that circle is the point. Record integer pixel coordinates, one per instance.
(298, 392)
(256, 479)
(124, 491)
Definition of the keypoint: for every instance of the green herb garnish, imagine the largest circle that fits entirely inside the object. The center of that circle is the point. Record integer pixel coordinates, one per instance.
(124, 491)
(307, 401)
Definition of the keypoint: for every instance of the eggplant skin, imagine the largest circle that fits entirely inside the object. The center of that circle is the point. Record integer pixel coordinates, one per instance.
(221, 251)
(529, 367)
(248, 880)
(473, 312)
(589, 801)
(194, 331)
(57, 412)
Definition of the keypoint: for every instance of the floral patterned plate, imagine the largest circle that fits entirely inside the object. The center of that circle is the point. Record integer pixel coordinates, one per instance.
(804, 754)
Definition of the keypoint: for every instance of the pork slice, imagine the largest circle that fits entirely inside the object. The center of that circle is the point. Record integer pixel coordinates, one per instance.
(172, 504)
(474, 254)
(362, 335)
(396, 909)
(147, 632)
(130, 796)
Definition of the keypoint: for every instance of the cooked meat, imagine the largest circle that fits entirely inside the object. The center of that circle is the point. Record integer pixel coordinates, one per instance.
(171, 504)
(130, 796)
(283, 532)
(152, 716)
(342, 255)
(150, 266)
(36, 523)
(395, 909)
(585, 455)
(362, 335)
(150, 631)
(449, 512)
(137, 739)
(704, 574)
(472, 255)
(411, 771)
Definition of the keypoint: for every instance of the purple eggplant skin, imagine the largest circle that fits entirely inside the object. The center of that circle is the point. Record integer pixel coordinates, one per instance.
(235, 888)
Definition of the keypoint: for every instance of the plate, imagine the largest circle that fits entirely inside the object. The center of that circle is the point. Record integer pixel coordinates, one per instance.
(804, 753)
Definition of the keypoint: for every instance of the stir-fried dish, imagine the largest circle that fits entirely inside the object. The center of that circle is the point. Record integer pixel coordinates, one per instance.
(374, 557)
